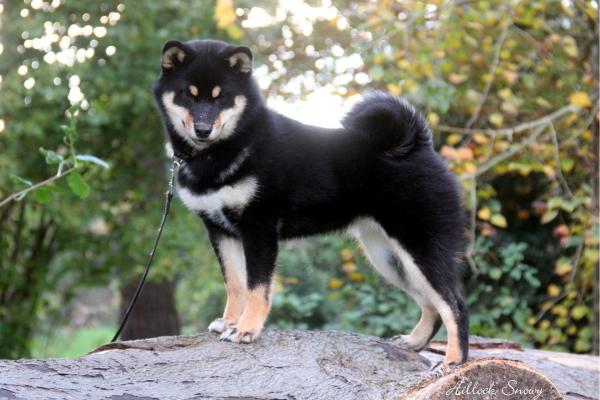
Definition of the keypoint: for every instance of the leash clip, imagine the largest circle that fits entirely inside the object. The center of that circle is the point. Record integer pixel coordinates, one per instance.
(175, 165)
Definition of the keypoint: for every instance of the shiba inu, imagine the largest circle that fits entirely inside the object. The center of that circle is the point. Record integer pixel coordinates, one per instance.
(256, 177)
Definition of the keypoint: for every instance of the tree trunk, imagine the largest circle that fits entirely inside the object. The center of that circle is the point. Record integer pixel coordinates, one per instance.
(154, 314)
(300, 365)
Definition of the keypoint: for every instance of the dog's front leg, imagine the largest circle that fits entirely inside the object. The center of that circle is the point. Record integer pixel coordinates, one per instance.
(260, 249)
(230, 252)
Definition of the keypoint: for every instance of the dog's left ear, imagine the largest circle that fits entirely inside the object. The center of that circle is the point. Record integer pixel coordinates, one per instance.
(240, 59)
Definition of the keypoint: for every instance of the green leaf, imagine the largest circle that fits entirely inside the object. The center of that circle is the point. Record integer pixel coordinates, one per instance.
(376, 73)
(78, 185)
(42, 195)
(69, 132)
(18, 179)
(567, 164)
(579, 312)
(499, 220)
(92, 159)
(52, 157)
(495, 273)
(549, 216)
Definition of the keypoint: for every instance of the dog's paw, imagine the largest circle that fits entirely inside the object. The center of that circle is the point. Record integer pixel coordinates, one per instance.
(219, 325)
(233, 334)
(441, 369)
(404, 342)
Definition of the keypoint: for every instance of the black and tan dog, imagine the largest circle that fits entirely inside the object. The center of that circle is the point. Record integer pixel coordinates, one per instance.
(256, 177)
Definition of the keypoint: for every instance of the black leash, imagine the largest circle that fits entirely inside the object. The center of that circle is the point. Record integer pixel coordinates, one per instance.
(168, 196)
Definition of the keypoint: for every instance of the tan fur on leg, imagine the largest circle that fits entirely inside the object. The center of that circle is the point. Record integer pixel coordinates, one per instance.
(234, 267)
(453, 351)
(422, 332)
(250, 324)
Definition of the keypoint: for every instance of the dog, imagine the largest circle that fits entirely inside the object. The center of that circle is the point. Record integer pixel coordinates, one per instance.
(256, 177)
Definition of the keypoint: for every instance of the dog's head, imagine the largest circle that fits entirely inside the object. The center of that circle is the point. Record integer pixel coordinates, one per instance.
(203, 89)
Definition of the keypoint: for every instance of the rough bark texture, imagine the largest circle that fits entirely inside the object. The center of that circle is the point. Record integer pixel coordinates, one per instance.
(291, 365)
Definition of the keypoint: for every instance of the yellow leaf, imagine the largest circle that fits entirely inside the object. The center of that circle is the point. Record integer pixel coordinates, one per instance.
(560, 310)
(470, 167)
(570, 46)
(510, 108)
(480, 138)
(501, 145)
(563, 268)
(553, 290)
(349, 267)
(394, 89)
(433, 118)
(404, 64)
(224, 13)
(457, 78)
(235, 32)
(496, 119)
(335, 283)
(581, 99)
(505, 93)
(356, 276)
(347, 255)
(453, 138)
(549, 171)
(484, 214)
(499, 221)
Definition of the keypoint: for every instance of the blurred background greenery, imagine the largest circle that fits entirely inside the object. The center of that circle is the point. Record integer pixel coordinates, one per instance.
(510, 88)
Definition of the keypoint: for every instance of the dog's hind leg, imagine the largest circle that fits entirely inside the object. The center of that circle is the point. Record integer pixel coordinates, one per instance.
(444, 296)
(382, 255)
(437, 304)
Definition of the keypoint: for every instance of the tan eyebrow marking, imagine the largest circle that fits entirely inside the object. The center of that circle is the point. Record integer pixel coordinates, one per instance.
(194, 90)
(216, 91)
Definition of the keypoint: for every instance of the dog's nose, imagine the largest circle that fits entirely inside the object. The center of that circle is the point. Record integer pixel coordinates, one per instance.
(202, 129)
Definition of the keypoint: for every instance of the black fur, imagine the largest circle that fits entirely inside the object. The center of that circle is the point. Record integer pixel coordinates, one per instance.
(381, 164)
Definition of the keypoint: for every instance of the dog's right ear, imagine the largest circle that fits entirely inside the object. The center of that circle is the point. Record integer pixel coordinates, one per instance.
(174, 53)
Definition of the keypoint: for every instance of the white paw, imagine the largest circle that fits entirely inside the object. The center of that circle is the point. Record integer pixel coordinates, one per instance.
(219, 325)
(232, 334)
(403, 341)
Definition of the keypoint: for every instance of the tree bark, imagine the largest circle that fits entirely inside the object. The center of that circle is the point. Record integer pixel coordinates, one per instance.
(298, 365)
(154, 314)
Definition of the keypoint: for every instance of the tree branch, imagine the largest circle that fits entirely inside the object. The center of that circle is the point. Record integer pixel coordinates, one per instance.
(515, 129)
(559, 174)
(15, 196)
(509, 153)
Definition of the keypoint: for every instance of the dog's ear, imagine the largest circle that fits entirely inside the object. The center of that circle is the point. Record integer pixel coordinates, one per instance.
(174, 53)
(239, 58)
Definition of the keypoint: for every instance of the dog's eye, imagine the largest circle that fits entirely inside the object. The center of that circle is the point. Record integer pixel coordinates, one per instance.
(193, 90)
(216, 92)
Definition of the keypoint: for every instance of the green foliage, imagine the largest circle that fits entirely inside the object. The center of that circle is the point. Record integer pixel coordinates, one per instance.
(68, 342)
(502, 294)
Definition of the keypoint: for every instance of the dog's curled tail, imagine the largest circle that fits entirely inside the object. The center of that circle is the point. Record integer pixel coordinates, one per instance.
(389, 123)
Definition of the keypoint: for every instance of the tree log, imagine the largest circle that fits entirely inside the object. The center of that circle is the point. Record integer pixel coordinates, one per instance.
(298, 365)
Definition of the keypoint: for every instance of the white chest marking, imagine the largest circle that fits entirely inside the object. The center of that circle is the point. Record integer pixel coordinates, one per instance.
(235, 196)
